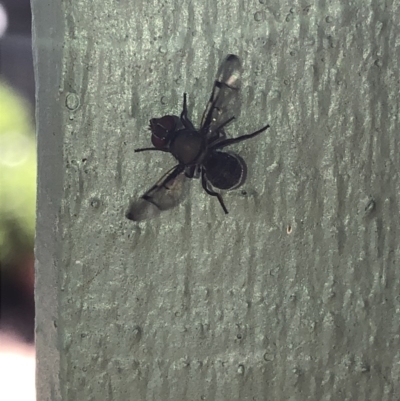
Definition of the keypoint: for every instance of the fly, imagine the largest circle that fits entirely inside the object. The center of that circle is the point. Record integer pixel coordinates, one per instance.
(199, 153)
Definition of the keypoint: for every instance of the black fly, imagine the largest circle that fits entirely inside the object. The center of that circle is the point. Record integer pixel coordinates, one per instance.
(198, 152)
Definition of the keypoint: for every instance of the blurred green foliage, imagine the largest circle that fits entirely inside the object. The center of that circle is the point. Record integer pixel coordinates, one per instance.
(17, 177)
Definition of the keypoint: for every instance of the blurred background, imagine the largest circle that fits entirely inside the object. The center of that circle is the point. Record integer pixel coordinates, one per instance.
(17, 202)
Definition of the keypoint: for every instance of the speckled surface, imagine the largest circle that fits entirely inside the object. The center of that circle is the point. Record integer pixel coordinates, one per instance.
(295, 295)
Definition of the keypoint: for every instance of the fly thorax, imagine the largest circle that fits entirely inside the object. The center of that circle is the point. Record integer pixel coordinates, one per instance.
(187, 146)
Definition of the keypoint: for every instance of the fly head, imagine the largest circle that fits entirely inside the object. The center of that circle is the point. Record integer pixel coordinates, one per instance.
(162, 130)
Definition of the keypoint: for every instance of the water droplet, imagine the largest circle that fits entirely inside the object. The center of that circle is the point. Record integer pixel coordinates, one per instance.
(163, 100)
(365, 368)
(72, 101)
(241, 369)
(258, 16)
(262, 1)
(286, 82)
(293, 53)
(269, 357)
(95, 203)
(137, 333)
(328, 19)
(288, 18)
(162, 50)
(378, 63)
(292, 10)
(370, 207)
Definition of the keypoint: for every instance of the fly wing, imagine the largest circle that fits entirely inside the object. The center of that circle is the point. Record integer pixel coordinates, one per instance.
(224, 101)
(163, 195)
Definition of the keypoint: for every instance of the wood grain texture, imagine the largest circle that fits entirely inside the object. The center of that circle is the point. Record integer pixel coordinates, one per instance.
(292, 296)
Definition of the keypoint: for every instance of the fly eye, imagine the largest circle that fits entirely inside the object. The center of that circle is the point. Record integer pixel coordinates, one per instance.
(167, 123)
(161, 128)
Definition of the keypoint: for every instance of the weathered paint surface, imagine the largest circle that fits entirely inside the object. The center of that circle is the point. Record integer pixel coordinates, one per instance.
(292, 296)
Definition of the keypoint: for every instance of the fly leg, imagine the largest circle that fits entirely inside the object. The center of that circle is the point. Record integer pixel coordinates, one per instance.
(146, 149)
(212, 193)
(184, 115)
(231, 141)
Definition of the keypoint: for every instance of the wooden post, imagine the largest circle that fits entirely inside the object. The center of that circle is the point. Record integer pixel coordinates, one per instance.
(294, 294)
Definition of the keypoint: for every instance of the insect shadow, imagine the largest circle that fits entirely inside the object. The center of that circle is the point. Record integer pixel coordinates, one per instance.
(199, 152)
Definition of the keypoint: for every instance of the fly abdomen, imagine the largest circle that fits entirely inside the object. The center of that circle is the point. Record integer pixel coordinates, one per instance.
(225, 170)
